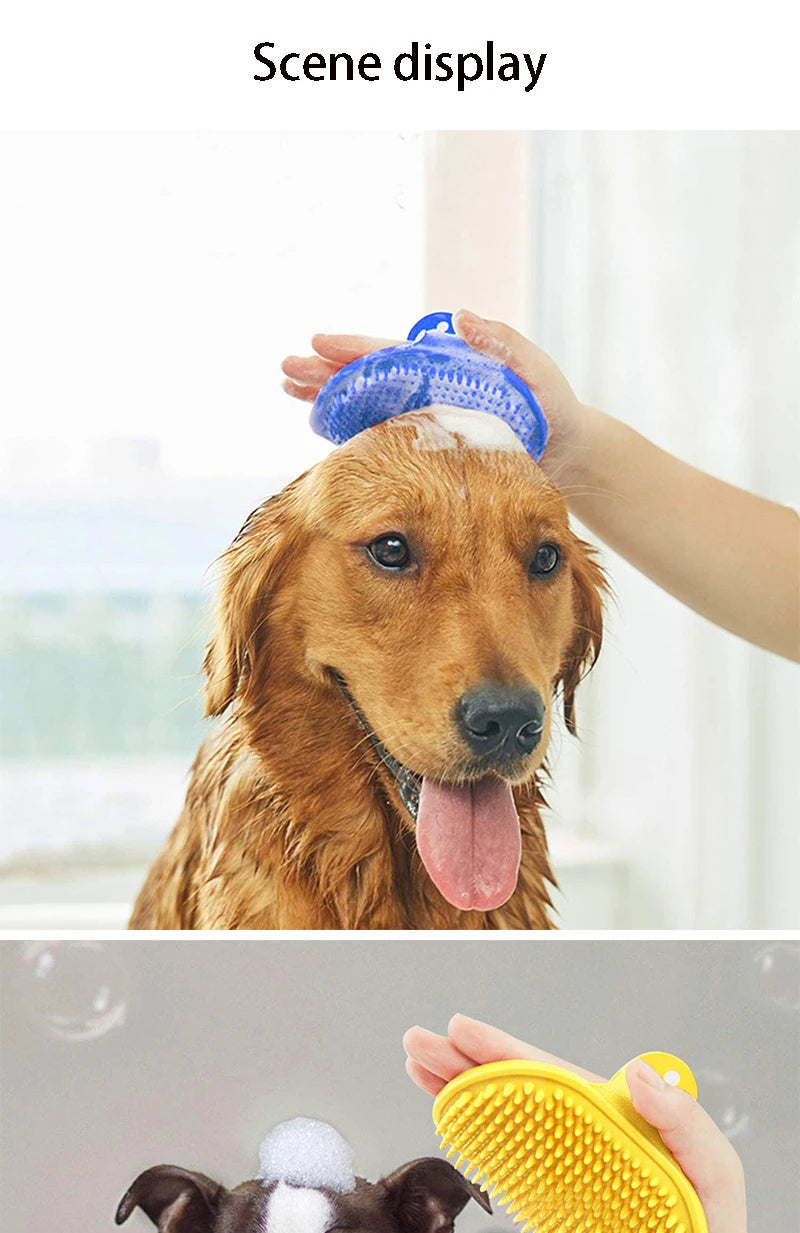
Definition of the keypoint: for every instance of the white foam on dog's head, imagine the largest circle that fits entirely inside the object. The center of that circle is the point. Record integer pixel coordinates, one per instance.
(304, 1152)
(443, 428)
(431, 435)
(293, 1209)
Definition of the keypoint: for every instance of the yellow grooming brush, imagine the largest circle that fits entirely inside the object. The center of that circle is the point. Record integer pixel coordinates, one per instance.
(568, 1156)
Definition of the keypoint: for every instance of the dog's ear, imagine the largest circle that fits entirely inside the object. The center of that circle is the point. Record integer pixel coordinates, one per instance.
(426, 1195)
(176, 1200)
(589, 589)
(251, 570)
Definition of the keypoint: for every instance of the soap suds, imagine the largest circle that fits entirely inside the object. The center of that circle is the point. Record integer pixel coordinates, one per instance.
(432, 436)
(304, 1152)
(441, 428)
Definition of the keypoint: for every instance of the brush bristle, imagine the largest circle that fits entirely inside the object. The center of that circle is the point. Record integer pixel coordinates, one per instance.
(557, 1163)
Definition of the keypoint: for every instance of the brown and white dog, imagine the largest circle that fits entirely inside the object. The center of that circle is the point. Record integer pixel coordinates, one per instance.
(307, 1187)
(392, 630)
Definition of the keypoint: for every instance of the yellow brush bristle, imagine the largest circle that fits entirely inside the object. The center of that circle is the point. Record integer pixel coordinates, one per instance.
(556, 1161)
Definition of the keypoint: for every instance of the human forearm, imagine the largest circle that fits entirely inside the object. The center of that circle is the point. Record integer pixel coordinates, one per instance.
(730, 555)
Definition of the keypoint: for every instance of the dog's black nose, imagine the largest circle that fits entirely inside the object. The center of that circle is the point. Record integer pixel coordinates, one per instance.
(505, 722)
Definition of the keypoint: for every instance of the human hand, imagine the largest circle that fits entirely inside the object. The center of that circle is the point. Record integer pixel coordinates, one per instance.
(567, 419)
(699, 1146)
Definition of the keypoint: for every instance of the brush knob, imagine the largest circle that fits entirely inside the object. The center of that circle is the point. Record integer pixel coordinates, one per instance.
(433, 323)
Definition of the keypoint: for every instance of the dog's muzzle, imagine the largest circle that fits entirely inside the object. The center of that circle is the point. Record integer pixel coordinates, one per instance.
(408, 784)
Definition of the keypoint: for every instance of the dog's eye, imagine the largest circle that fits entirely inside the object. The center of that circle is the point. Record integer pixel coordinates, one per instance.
(390, 551)
(545, 559)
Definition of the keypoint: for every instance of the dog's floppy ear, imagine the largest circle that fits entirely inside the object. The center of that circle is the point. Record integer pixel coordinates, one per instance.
(250, 574)
(176, 1200)
(589, 589)
(426, 1195)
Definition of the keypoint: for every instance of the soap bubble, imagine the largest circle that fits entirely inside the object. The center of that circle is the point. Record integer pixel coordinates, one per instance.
(722, 1100)
(777, 968)
(76, 991)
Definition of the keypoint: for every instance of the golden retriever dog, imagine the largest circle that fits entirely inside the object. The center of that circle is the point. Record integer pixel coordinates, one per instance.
(392, 631)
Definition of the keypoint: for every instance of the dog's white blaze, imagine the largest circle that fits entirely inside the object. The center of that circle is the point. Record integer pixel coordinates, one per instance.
(477, 429)
(293, 1209)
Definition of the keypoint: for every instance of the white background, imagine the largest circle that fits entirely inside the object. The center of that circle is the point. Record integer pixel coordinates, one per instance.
(154, 281)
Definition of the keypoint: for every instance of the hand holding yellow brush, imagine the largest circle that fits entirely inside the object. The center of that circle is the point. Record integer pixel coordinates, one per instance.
(639, 1112)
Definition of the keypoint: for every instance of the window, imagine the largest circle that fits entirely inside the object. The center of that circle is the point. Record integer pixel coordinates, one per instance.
(660, 270)
(153, 284)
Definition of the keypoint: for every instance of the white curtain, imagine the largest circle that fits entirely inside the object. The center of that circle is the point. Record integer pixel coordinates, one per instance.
(665, 274)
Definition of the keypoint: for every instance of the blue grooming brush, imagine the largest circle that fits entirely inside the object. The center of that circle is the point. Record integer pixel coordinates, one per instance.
(434, 367)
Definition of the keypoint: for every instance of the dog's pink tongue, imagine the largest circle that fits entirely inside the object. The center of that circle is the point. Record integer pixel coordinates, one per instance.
(469, 841)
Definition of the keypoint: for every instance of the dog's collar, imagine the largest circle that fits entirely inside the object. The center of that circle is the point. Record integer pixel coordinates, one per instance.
(408, 784)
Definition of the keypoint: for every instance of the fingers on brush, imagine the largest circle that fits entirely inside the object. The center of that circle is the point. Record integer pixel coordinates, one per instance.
(489, 337)
(306, 393)
(485, 1043)
(691, 1135)
(308, 369)
(435, 1053)
(708, 1159)
(663, 1106)
(343, 348)
(505, 344)
(423, 1078)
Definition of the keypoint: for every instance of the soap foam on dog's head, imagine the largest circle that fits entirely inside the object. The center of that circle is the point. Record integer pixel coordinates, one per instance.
(304, 1152)
(439, 428)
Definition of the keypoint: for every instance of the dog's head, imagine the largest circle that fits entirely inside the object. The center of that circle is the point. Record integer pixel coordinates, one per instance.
(427, 571)
(308, 1187)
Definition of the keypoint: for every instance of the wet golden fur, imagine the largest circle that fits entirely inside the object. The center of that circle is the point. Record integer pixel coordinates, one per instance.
(291, 821)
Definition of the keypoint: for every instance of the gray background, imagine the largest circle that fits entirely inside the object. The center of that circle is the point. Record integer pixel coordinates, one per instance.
(190, 1051)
